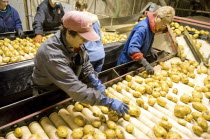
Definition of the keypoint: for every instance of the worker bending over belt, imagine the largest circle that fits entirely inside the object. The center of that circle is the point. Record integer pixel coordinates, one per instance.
(62, 61)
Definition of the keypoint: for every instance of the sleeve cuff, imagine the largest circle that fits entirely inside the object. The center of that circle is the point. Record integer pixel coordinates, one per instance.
(136, 56)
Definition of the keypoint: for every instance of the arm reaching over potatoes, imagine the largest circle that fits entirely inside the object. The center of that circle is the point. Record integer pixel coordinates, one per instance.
(139, 44)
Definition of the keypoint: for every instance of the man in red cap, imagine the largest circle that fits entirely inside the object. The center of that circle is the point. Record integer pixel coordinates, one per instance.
(62, 61)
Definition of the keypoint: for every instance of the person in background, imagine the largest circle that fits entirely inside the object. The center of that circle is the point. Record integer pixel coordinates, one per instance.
(139, 43)
(95, 49)
(9, 19)
(48, 17)
(63, 61)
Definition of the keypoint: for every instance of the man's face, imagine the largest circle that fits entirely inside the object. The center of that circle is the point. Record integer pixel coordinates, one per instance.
(3, 4)
(54, 1)
(75, 41)
(160, 25)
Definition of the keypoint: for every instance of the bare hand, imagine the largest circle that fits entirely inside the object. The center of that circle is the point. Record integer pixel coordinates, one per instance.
(38, 38)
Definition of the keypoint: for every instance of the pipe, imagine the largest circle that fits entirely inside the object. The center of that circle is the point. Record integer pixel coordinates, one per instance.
(162, 3)
(117, 9)
(189, 10)
(134, 4)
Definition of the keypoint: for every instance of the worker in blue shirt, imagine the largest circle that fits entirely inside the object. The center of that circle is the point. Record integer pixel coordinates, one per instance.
(139, 43)
(95, 49)
(9, 19)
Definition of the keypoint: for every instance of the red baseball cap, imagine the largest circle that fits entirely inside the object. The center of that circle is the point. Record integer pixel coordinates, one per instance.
(81, 23)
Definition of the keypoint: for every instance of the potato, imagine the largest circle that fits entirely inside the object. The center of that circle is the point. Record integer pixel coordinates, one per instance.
(88, 136)
(79, 120)
(99, 135)
(189, 118)
(170, 84)
(164, 87)
(88, 129)
(156, 94)
(198, 106)
(161, 102)
(129, 128)
(148, 89)
(163, 93)
(111, 124)
(77, 133)
(207, 94)
(126, 117)
(137, 94)
(196, 94)
(186, 98)
(35, 136)
(104, 109)
(62, 131)
(140, 102)
(165, 124)
(169, 97)
(125, 100)
(159, 131)
(110, 133)
(175, 90)
(96, 123)
(164, 118)
(145, 107)
(182, 122)
(152, 101)
(174, 99)
(173, 135)
(197, 130)
(191, 84)
(206, 115)
(175, 78)
(181, 110)
(78, 107)
(128, 78)
(195, 115)
(102, 118)
(113, 116)
(134, 111)
(202, 123)
(18, 132)
(141, 89)
(119, 133)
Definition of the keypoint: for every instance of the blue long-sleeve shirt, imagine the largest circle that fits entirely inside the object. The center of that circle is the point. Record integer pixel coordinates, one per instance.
(95, 49)
(9, 20)
(140, 40)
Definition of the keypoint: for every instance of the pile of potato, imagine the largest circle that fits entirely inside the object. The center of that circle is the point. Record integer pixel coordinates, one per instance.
(173, 103)
(112, 37)
(18, 49)
(179, 29)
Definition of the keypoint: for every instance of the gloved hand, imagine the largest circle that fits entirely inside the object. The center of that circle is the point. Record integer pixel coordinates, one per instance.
(154, 54)
(96, 83)
(58, 7)
(20, 32)
(147, 66)
(116, 105)
(38, 38)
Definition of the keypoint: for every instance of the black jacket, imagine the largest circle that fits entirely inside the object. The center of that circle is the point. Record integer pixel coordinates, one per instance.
(47, 18)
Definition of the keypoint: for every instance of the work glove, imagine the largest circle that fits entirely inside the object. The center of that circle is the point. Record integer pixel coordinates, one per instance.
(204, 37)
(38, 38)
(58, 7)
(154, 54)
(20, 32)
(96, 83)
(114, 104)
(147, 66)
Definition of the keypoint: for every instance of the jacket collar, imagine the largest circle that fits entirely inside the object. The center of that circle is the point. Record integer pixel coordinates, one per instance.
(151, 18)
(8, 12)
